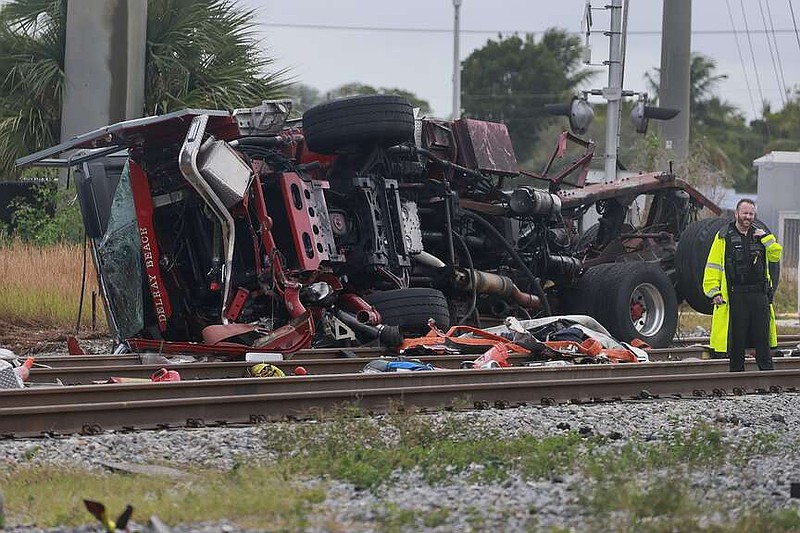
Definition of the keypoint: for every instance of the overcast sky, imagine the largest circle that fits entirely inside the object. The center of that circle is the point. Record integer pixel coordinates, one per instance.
(409, 43)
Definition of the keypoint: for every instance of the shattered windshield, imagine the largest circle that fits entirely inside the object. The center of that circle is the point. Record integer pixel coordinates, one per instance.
(119, 261)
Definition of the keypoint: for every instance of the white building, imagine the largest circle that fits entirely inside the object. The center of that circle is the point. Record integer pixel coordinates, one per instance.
(779, 200)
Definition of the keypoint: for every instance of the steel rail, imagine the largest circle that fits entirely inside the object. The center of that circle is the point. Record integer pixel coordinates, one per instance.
(676, 353)
(76, 375)
(788, 338)
(83, 375)
(262, 407)
(90, 368)
(98, 393)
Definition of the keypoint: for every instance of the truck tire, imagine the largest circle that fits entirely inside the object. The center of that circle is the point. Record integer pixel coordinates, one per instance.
(411, 308)
(359, 122)
(585, 299)
(632, 300)
(691, 256)
(587, 237)
(690, 261)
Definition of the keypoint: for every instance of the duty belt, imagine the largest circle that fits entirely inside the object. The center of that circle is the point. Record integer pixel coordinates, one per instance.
(755, 287)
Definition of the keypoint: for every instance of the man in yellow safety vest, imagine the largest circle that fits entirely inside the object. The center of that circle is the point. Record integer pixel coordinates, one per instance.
(737, 279)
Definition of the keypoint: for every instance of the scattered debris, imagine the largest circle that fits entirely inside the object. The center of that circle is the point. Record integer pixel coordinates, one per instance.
(264, 370)
(162, 374)
(146, 470)
(397, 364)
(98, 510)
(13, 375)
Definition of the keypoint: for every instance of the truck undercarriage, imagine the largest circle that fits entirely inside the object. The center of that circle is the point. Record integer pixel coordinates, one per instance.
(360, 224)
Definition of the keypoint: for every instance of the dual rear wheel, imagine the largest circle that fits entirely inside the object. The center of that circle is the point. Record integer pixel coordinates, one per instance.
(632, 300)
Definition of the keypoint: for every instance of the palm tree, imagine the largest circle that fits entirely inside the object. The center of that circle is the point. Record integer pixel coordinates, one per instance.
(703, 79)
(31, 77)
(205, 54)
(199, 53)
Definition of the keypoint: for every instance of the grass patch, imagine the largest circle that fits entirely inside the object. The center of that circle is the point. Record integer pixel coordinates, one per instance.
(438, 450)
(368, 451)
(621, 504)
(629, 485)
(665, 503)
(393, 518)
(633, 485)
(702, 447)
(41, 284)
(690, 321)
(785, 300)
(757, 446)
(252, 497)
(406, 442)
(647, 486)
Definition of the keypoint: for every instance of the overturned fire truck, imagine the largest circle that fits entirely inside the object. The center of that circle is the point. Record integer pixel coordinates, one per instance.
(360, 224)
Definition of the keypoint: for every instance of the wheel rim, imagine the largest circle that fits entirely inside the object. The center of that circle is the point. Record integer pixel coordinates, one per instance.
(647, 309)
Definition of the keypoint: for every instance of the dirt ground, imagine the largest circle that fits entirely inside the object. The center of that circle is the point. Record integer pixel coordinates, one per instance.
(32, 339)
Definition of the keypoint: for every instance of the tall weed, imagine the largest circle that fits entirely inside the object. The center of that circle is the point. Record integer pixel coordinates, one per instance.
(42, 284)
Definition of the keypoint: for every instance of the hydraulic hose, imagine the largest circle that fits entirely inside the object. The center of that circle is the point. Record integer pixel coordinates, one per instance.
(537, 286)
(472, 283)
(387, 335)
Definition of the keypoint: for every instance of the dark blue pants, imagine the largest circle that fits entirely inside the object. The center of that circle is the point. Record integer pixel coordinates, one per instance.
(748, 327)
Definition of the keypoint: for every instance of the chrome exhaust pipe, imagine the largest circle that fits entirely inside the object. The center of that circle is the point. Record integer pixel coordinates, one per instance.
(488, 283)
(187, 162)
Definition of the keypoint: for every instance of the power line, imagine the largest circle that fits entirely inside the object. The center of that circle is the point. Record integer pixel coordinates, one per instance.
(772, 54)
(449, 31)
(741, 59)
(794, 22)
(777, 51)
(753, 57)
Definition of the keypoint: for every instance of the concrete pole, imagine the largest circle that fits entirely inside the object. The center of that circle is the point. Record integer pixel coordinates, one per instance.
(613, 93)
(456, 61)
(673, 92)
(103, 63)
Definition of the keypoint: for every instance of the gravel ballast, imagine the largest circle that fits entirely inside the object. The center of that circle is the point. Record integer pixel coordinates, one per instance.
(515, 504)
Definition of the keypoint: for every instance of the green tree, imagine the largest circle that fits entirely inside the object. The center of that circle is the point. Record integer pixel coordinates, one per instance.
(511, 79)
(782, 127)
(32, 67)
(719, 133)
(204, 53)
(199, 53)
(303, 97)
(52, 216)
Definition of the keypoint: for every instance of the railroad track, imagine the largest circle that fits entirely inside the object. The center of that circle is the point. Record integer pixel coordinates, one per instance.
(76, 370)
(215, 394)
(95, 408)
(785, 339)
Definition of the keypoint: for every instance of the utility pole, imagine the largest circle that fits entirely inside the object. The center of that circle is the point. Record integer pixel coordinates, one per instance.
(103, 63)
(456, 61)
(579, 110)
(675, 83)
(613, 93)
